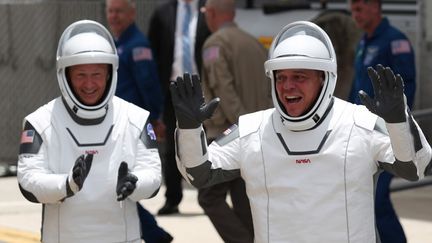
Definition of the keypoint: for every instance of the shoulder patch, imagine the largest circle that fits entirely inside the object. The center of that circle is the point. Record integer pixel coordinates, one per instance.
(150, 132)
(400, 47)
(228, 135)
(27, 136)
(148, 136)
(31, 141)
(142, 54)
(211, 54)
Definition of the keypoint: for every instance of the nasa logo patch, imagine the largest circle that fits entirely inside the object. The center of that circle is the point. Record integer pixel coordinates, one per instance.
(150, 132)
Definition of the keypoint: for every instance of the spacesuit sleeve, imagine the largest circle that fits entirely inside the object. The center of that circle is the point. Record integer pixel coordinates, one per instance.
(147, 166)
(203, 165)
(36, 181)
(412, 152)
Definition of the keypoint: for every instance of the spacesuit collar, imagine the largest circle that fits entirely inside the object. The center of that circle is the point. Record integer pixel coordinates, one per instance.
(82, 121)
(329, 108)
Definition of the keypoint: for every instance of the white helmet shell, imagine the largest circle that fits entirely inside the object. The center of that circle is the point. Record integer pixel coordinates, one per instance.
(303, 45)
(86, 42)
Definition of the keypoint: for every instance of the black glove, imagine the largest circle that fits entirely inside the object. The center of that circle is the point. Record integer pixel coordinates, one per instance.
(188, 101)
(126, 182)
(389, 100)
(78, 174)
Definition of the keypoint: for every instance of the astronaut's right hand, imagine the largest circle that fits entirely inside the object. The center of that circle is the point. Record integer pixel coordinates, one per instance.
(78, 174)
(389, 101)
(188, 101)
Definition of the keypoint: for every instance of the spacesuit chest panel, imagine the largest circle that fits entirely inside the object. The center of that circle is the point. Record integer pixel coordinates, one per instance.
(111, 142)
(314, 182)
(107, 141)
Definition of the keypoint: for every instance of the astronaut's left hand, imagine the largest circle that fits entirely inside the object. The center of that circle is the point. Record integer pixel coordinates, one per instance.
(126, 182)
(78, 174)
(389, 101)
(188, 101)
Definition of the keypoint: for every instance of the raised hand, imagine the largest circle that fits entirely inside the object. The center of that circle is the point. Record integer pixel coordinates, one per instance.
(126, 182)
(389, 100)
(79, 173)
(189, 105)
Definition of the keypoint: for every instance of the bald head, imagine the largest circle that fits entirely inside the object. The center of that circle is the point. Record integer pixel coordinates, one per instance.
(219, 12)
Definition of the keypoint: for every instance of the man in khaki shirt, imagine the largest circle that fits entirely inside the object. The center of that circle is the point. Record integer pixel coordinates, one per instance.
(233, 70)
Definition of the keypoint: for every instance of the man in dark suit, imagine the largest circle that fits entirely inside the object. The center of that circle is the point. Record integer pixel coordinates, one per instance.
(166, 33)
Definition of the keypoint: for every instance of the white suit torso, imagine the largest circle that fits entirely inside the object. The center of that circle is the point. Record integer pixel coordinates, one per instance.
(316, 185)
(92, 214)
(309, 186)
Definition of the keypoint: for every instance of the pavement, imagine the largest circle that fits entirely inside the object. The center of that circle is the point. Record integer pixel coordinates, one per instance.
(20, 220)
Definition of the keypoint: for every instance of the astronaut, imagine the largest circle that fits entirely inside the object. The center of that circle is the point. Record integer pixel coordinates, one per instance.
(88, 156)
(309, 163)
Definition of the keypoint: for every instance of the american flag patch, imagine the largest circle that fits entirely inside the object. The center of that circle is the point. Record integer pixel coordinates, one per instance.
(229, 130)
(141, 54)
(150, 132)
(400, 47)
(211, 54)
(27, 136)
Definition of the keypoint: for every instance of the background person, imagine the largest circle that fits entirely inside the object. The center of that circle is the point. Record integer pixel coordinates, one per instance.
(382, 44)
(312, 159)
(138, 79)
(176, 51)
(88, 156)
(232, 70)
(344, 35)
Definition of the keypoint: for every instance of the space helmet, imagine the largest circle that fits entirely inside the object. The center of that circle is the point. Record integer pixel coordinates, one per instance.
(303, 45)
(86, 42)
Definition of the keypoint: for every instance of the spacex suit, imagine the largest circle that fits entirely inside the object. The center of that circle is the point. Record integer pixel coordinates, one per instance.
(311, 177)
(58, 140)
(292, 176)
(91, 200)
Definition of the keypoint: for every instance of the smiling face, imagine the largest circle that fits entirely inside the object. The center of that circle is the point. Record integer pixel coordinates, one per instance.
(89, 82)
(297, 89)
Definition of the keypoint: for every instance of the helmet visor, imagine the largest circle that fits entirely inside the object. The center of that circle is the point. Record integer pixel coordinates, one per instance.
(85, 39)
(309, 33)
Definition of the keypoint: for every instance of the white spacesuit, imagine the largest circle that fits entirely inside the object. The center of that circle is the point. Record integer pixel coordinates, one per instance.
(112, 131)
(309, 178)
